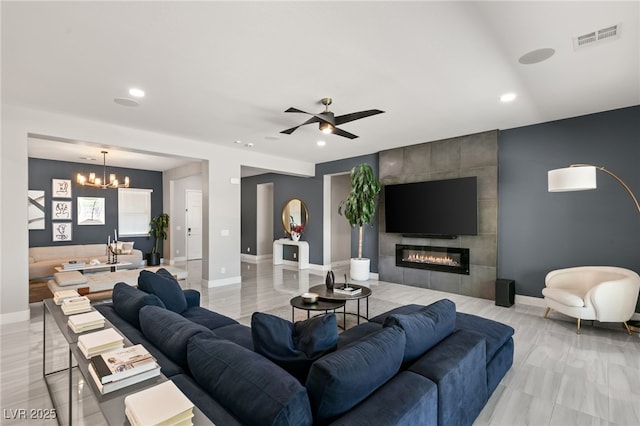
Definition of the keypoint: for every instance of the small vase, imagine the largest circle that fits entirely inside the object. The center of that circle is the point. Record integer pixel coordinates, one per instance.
(330, 280)
(295, 236)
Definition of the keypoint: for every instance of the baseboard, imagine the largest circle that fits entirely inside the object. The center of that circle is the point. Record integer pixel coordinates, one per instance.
(531, 301)
(12, 317)
(222, 282)
(251, 258)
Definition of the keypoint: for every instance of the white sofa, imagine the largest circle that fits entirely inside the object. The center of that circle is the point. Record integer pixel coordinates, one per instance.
(43, 260)
(602, 293)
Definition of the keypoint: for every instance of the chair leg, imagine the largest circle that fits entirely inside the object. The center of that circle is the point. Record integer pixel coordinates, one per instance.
(627, 327)
(546, 313)
(578, 331)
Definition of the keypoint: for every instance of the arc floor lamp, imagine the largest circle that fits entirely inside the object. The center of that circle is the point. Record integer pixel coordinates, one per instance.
(581, 177)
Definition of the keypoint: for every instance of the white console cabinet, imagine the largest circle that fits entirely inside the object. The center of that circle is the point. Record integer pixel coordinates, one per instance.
(303, 252)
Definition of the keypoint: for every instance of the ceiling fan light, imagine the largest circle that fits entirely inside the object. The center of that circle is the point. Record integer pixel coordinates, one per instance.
(326, 128)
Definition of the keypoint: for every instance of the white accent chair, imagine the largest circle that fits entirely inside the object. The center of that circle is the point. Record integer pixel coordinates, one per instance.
(602, 293)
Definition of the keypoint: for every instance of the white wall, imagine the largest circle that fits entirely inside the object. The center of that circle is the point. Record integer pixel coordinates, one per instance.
(221, 198)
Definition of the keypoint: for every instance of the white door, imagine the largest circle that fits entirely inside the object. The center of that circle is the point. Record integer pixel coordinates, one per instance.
(194, 224)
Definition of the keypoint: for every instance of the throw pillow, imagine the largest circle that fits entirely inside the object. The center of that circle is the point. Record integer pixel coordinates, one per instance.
(167, 289)
(127, 302)
(294, 347)
(425, 327)
(340, 380)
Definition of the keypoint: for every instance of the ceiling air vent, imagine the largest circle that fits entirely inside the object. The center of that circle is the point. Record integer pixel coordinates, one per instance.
(596, 37)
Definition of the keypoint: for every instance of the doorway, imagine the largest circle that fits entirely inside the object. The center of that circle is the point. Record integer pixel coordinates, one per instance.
(264, 219)
(337, 231)
(193, 207)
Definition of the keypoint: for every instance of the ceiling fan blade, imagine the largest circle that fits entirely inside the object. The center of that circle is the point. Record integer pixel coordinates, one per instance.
(341, 119)
(292, 109)
(343, 133)
(293, 129)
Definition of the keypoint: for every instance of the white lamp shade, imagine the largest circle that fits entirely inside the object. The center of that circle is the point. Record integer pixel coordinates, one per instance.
(578, 178)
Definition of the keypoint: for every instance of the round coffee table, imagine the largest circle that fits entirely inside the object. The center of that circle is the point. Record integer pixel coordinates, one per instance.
(320, 305)
(329, 295)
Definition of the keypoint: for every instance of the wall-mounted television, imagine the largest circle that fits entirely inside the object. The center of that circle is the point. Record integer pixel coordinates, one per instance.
(444, 208)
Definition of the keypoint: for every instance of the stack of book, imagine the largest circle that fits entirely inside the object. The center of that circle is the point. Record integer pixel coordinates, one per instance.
(95, 343)
(161, 404)
(117, 369)
(85, 322)
(350, 291)
(73, 265)
(59, 296)
(76, 305)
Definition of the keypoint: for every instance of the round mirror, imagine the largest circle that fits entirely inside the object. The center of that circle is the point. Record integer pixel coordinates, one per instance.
(294, 213)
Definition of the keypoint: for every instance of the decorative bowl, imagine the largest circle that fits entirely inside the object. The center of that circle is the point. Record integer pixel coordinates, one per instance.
(309, 297)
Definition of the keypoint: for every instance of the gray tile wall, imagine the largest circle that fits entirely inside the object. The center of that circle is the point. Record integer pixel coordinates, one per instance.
(471, 155)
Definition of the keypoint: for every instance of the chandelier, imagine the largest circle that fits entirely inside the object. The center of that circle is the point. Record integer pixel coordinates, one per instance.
(102, 182)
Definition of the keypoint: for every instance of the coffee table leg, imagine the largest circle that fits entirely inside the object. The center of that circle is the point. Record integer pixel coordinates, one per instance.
(293, 316)
(367, 309)
(344, 315)
(358, 311)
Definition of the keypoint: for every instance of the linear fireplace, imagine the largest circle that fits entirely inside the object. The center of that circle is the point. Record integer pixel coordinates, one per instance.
(444, 259)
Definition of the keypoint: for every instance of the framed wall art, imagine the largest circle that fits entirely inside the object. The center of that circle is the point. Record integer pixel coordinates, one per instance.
(61, 188)
(35, 209)
(61, 210)
(90, 210)
(61, 232)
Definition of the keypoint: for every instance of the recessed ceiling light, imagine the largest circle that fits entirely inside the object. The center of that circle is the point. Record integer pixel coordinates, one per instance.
(507, 97)
(238, 142)
(126, 102)
(136, 93)
(536, 56)
(321, 143)
(248, 145)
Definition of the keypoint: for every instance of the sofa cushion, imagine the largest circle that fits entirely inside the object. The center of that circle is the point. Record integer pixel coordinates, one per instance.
(69, 278)
(405, 309)
(340, 380)
(425, 327)
(127, 302)
(169, 331)
(294, 346)
(207, 318)
(249, 386)
(495, 333)
(166, 288)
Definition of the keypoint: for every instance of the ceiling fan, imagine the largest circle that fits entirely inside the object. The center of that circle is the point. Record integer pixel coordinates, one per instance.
(329, 122)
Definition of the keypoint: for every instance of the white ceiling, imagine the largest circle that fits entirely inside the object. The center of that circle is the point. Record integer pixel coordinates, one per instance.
(226, 71)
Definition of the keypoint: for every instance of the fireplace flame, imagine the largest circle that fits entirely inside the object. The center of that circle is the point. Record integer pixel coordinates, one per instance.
(433, 260)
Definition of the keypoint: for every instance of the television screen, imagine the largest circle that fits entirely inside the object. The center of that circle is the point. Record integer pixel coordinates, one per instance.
(439, 208)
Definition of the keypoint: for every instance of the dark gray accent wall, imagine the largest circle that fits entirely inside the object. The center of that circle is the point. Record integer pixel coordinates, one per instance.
(42, 171)
(541, 231)
(465, 156)
(310, 190)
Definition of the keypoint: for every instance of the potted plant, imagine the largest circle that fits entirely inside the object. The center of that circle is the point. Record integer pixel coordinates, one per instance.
(359, 209)
(158, 230)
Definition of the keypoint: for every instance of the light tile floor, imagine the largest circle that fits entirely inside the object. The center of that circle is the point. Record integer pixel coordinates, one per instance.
(558, 377)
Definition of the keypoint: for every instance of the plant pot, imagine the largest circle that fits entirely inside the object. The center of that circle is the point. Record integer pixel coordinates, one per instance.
(153, 259)
(360, 269)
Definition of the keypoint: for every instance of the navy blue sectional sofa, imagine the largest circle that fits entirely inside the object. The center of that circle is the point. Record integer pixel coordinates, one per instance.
(426, 365)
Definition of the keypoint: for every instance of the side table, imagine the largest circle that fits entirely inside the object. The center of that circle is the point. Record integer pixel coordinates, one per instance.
(111, 404)
(320, 305)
